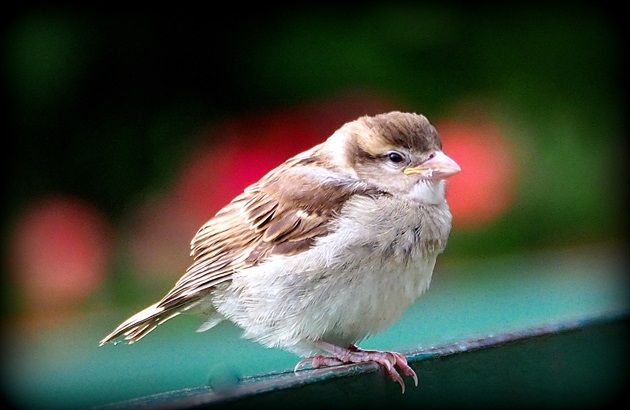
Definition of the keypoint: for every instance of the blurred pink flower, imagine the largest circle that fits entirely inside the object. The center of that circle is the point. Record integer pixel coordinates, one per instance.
(486, 186)
(59, 252)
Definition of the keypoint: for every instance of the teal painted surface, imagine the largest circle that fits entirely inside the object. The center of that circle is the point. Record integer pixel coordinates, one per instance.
(574, 365)
(63, 367)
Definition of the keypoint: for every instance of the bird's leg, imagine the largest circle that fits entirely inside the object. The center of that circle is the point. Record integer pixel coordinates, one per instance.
(354, 354)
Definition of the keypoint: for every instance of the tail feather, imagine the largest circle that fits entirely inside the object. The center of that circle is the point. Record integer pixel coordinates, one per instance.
(140, 324)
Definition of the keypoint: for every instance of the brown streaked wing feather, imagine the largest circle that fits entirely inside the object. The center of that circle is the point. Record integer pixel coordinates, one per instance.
(281, 214)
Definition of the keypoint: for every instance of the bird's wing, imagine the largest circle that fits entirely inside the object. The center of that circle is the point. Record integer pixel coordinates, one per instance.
(280, 215)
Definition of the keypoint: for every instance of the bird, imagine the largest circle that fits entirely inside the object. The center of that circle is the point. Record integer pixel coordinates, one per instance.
(325, 250)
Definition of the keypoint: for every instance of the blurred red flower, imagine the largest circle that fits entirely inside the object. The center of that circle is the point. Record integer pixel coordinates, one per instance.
(486, 186)
(59, 252)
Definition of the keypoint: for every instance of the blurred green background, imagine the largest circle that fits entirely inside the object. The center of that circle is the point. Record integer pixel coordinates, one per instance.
(127, 130)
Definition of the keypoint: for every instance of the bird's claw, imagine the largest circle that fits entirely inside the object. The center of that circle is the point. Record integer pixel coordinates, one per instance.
(354, 354)
(391, 360)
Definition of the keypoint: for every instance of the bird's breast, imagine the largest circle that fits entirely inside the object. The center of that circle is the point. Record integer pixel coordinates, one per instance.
(355, 281)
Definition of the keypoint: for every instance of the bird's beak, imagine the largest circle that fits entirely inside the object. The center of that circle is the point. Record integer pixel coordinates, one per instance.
(438, 167)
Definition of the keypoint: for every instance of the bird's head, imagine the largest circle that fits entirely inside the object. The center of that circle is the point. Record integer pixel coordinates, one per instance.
(400, 153)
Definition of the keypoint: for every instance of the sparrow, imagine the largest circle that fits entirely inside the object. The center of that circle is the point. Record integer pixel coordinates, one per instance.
(326, 249)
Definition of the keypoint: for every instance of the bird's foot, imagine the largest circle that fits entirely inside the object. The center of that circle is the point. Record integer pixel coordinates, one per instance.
(354, 354)
(318, 361)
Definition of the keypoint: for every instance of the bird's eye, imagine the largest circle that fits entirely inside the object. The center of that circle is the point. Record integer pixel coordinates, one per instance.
(395, 157)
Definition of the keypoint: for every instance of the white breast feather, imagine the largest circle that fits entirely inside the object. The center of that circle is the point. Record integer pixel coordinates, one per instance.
(354, 282)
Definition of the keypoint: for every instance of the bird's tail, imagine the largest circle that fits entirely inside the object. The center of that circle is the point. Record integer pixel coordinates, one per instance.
(140, 324)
